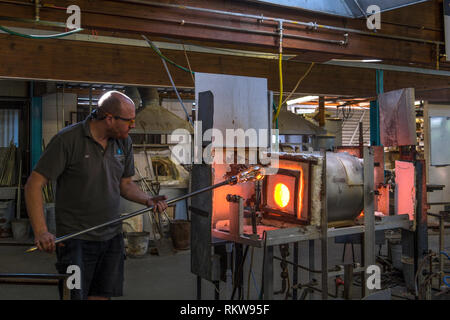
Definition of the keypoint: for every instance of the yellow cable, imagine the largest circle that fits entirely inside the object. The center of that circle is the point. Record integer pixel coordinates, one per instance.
(299, 81)
(292, 92)
(280, 64)
(189, 65)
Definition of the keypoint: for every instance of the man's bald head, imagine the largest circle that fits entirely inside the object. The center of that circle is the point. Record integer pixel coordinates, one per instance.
(115, 115)
(114, 102)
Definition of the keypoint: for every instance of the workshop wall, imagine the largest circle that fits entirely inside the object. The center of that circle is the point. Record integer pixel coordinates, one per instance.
(175, 107)
(11, 88)
(52, 118)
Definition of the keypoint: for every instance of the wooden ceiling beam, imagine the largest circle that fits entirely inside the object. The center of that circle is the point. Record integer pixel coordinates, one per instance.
(123, 16)
(90, 62)
(436, 95)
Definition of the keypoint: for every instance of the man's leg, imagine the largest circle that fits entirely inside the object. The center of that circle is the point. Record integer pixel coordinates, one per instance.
(108, 277)
(82, 254)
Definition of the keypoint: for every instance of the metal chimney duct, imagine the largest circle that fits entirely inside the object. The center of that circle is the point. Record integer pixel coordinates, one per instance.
(133, 94)
(152, 118)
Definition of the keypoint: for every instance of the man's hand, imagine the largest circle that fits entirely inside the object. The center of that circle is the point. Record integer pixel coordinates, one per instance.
(159, 203)
(45, 241)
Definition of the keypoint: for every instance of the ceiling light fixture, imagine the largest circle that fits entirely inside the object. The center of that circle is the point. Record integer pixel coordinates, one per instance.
(302, 100)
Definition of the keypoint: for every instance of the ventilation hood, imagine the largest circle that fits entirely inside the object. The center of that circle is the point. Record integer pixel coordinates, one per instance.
(152, 118)
(291, 123)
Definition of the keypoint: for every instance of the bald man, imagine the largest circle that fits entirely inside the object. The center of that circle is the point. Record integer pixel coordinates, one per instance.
(92, 163)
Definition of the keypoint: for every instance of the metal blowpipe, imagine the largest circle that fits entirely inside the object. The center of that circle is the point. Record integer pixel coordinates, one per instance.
(252, 174)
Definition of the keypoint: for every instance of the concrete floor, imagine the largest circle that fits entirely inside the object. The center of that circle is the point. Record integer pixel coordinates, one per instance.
(168, 277)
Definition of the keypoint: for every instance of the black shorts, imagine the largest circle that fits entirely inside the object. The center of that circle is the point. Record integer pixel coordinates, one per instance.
(101, 264)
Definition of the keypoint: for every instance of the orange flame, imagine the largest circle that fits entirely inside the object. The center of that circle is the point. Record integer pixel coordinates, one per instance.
(295, 166)
(281, 195)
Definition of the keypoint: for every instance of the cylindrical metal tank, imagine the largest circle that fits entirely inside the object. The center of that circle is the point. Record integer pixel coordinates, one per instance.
(345, 186)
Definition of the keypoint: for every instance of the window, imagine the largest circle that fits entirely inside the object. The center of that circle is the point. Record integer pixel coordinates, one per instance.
(9, 127)
(440, 136)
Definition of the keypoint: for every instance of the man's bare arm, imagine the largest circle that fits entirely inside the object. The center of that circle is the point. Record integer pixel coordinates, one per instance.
(35, 207)
(130, 191)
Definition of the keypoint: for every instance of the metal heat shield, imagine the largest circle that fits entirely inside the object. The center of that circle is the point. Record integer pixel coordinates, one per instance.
(204, 263)
(405, 188)
(241, 104)
(382, 200)
(397, 118)
(206, 112)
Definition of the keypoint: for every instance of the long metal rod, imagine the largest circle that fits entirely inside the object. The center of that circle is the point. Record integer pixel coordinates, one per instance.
(138, 212)
(268, 33)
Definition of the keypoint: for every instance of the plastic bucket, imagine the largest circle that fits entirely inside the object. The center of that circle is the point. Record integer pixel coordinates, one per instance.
(180, 231)
(137, 243)
(20, 229)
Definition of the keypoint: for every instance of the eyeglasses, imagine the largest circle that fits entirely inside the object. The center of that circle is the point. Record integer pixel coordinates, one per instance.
(130, 121)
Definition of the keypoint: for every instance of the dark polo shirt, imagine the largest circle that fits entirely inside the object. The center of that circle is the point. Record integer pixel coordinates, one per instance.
(87, 180)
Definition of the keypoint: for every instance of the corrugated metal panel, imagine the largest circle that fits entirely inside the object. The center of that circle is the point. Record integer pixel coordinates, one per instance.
(334, 7)
(357, 6)
(350, 126)
(345, 8)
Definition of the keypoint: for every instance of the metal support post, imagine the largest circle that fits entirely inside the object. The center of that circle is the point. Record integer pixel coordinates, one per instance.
(229, 272)
(295, 270)
(369, 214)
(268, 273)
(375, 113)
(348, 281)
(421, 214)
(441, 249)
(36, 127)
(216, 290)
(238, 268)
(312, 264)
(321, 111)
(324, 230)
(408, 259)
(199, 288)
